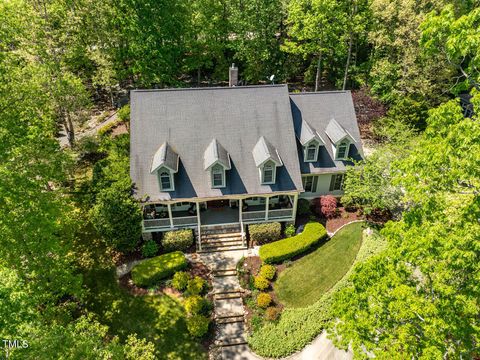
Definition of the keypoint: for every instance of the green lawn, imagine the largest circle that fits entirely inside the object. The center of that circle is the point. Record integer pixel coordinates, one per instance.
(311, 276)
(158, 318)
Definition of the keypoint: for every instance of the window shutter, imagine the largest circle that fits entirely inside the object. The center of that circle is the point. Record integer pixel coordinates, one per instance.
(314, 185)
(332, 182)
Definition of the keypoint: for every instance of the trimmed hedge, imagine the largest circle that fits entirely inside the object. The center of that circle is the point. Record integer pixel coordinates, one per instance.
(178, 240)
(150, 271)
(265, 233)
(287, 248)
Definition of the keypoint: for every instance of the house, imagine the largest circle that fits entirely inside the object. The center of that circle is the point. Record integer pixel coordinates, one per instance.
(231, 156)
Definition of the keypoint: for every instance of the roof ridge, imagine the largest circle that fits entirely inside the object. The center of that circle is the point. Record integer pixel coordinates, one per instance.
(213, 88)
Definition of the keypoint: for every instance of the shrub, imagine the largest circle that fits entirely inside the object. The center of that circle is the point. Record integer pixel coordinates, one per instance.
(272, 313)
(194, 304)
(150, 271)
(289, 230)
(195, 286)
(303, 207)
(267, 271)
(150, 248)
(180, 280)
(179, 240)
(108, 128)
(260, 282)
(285, 249)
(197, 325)
(124, 113)
(326, 206)
(263, 300)
(265, 233)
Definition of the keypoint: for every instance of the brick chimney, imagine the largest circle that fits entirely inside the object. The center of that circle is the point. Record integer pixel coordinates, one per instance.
(233, 76)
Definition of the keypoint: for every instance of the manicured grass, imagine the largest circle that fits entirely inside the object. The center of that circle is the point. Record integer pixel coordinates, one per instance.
(313, 275)
(158, 318)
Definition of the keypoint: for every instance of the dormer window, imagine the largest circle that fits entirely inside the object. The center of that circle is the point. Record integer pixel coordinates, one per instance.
(311, 151)
(218, 176)
(342, 150)
(268, 173)
(166, 180)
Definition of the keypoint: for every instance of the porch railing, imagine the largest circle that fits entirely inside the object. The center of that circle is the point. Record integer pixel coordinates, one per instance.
(253, 215)
(165, 222)
(185, 221)
(280, 214)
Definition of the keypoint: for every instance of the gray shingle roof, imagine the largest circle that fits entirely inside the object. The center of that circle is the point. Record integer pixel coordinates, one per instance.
(263, 151)
(164, 156)
(216, 153)
(336, 132)
(188, 119)
(308, 133)
(318, 109)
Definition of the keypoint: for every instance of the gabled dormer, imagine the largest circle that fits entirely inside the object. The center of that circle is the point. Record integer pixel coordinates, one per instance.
(165, 165)
(310, 140)
(340, 138)
(216, 160)
(266, 160)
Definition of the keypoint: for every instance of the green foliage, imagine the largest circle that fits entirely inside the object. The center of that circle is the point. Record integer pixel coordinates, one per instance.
(297, 327)
(268, 271)
(197, 325)
(265, 232)
(194, 304)
(303, 207)
(124, 113)
(117, 218)
(178, 240)
(107, 129)
(289, 230)
(150, 271)
(180, 280)
(149, 248)
(264, 300)
(260, 282)
(287, 248)
(196, 285)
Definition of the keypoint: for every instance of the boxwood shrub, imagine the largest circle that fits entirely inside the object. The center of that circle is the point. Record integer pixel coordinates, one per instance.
(150, 271)
(178, 240)
(285, 249)
(265, 233)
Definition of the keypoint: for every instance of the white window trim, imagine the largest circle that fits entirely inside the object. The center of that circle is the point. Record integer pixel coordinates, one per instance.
(342, 175)
(274, 173)
(223, 177)
(347, 150)
(314, 179)
(305, 151)
(172, 184)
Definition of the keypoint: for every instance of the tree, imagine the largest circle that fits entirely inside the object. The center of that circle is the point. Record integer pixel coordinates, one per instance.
(419, 299)
(456, 41)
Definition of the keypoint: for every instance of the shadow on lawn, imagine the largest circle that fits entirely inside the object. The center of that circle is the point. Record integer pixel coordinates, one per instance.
(157, 318)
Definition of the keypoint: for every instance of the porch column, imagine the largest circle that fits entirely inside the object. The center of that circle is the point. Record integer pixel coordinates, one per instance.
(199, 227)
(240, 206)
(267, 203)
(169, 206)
(295, 202)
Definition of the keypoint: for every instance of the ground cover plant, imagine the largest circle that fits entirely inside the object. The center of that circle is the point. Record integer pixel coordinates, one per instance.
(310, 277)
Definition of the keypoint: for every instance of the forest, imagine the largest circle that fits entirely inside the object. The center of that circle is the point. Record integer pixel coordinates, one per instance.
(66, 212)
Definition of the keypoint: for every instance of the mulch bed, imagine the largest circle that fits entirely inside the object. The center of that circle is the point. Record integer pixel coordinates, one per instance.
(345, 216)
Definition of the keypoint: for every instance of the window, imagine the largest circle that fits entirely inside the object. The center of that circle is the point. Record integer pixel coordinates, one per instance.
(311, 152)
(337, 182)
(166, 181)
(218, 179)
(268, 173)
(310, 183)
(342, 150)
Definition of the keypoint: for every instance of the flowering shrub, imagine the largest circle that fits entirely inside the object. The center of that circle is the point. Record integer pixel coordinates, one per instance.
(263, 300)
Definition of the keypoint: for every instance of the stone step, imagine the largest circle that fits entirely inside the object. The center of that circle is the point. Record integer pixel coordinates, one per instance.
(228, 307)
(227, 332)
(221, 236)
(221, 242)
(232, 295)
(216, 249)
(222, 284)
(220, 228)
(221, 246)
(229, 319)
(232, 272)
(231, 342)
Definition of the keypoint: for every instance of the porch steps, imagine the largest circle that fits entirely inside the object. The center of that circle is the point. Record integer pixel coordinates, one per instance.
(221, 238)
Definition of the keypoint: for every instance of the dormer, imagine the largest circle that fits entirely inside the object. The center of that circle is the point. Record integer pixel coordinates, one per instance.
(266, 160)
(310, 140)
(165, 165)
(340, 138)
(216, 160)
